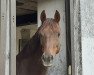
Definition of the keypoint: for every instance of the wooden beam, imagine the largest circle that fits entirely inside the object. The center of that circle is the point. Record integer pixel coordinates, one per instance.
(2, 35)
(68, 34)
(13, 37)
(76, 37)
(27, 9)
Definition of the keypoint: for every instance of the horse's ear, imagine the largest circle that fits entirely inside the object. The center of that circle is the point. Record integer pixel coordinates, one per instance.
(57, 16)
(43, 16)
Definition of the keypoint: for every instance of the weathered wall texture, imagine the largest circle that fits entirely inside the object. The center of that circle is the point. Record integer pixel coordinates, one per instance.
(50, 6)
(33, 29)
(76, 37)
(87, 25)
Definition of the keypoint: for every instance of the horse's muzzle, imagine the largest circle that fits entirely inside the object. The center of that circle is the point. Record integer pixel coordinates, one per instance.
(47, 60)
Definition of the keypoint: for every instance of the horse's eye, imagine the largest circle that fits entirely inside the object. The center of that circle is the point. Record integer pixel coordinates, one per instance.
(58, 34)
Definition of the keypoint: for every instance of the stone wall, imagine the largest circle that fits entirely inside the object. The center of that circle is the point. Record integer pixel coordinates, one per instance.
(87, 29)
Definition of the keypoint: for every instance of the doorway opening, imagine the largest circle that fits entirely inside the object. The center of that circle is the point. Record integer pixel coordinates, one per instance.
(27, 24)
(22, 6)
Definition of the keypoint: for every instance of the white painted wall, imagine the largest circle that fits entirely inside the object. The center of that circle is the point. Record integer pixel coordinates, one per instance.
(87, 25)
(50, 6)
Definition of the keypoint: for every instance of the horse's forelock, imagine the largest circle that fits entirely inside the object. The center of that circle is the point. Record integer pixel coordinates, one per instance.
(49, 22)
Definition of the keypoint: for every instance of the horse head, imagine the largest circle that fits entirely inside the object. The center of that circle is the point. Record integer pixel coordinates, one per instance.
(49, 33)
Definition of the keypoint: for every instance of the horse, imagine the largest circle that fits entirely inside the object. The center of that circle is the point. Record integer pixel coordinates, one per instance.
(41, 49)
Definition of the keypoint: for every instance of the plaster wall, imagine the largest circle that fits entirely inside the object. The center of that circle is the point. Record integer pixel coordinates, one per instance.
(50, 6)
(87, 25)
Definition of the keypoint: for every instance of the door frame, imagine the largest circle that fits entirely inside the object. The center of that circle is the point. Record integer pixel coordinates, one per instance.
(8, 37)
(75, 36)
(76, 48)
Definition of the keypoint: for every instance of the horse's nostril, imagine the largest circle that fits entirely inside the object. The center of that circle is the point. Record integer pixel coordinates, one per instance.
(51, 57)
(43, 57)
(47, 58)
